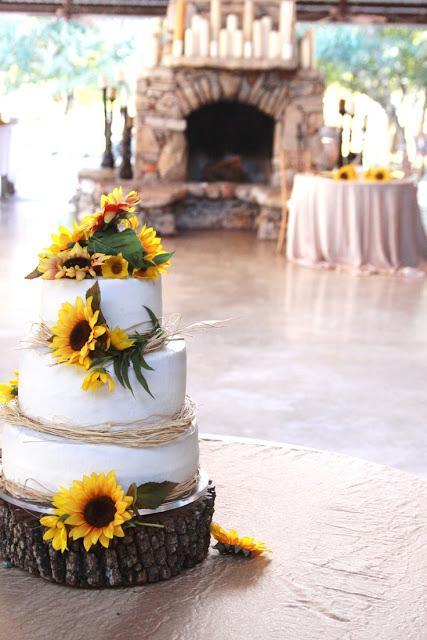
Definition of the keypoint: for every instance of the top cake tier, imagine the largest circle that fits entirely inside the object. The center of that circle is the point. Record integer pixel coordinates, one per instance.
(124, 301)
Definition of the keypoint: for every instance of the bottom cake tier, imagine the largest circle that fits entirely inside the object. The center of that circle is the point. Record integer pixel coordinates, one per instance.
(36, 460)
(144, 555)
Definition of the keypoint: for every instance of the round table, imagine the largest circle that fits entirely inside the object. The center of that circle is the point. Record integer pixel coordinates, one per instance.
(349, 561)
(367, 226)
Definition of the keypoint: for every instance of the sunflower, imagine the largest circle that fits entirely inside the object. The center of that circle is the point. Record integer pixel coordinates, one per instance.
(151, 273)
(96, 379)
(9, 390)
(115, 267)
(74, 263)
(92, 223)
(131, 223)
(76, 333)
(346, 172)
(64, 239)
(94, 508)
(151, 244)
(378, 174)
(56, 531)
(114, 203)
(229, 542)
(120, 340)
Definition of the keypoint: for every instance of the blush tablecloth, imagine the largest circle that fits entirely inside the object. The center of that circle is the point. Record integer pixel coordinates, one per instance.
(367, 226)
(349, 562)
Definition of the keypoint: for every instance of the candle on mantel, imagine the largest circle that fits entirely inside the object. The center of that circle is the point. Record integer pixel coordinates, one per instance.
(179, 20)
(195, 28)
(203, 26)
(266, 24)
(213, 49)
(223, 43)
(287, 27)
(215, 20)
(231, 22)
(274, 45)
(188, 43)
(257, 39)
(248, 19)
(305, 51)
(247, 50)
(237, 43)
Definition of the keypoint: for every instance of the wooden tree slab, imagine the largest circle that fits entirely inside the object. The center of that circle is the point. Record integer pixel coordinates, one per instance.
(144, 555)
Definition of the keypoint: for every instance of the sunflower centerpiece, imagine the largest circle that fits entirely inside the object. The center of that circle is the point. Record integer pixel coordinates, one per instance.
(107, 243)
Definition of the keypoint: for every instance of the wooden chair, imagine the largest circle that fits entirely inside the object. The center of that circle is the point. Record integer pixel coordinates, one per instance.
(297, 161)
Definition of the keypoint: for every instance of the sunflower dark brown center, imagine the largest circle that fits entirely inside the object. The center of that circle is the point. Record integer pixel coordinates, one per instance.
(344, 176)
(380, 175)
(80, 335)
(100, 511)
(116, 267)
(77, 262)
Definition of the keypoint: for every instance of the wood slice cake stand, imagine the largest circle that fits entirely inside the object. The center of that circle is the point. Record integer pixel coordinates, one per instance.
(145, 554)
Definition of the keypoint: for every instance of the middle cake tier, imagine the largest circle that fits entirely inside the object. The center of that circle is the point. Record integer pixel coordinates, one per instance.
(50, 391)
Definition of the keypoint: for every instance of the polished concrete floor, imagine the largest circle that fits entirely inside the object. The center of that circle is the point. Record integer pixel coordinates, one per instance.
(321, 359)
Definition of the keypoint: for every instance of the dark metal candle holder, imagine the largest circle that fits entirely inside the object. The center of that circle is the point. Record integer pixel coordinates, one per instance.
(125, 170)
(108, 97)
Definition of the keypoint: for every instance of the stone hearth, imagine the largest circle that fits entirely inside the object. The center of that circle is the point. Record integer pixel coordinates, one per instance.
(167, 98)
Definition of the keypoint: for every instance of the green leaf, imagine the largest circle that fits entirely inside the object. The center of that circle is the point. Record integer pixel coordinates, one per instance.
(111, 242)
(124, 369)
(34, 274)
(95, 292)
(154, 319)
(135, 358)
(162, 258)
(132, 491)
(117, 371)
(152, 494)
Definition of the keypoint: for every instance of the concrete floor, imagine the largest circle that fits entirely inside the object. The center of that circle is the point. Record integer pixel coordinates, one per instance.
(320, 359)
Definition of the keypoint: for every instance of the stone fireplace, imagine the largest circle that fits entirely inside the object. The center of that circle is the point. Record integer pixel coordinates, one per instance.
(230, 93)
(191, 119)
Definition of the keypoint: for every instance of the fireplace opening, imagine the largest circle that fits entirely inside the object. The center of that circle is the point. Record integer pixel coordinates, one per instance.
(229, 141)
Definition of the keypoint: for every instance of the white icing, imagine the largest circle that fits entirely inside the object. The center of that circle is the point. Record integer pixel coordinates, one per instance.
(122, 300)
(42, 461)
(53, 391)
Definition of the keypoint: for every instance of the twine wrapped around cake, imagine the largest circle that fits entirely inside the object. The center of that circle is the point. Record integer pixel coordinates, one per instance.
(140, 434)
(43, 497)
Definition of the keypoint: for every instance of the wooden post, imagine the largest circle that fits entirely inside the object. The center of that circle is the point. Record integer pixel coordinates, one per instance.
(281, 240)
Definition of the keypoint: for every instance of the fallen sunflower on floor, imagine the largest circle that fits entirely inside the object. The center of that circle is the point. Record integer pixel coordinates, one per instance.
(230, 543)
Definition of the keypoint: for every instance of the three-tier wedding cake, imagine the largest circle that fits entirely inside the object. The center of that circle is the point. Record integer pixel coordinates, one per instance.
(100, 438)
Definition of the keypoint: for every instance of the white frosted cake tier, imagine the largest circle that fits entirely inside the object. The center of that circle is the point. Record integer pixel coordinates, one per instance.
(122, 300)
(53, 391)
(45, 462)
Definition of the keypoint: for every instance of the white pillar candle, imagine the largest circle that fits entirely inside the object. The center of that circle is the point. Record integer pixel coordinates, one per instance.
(248, 19)
(189, 43)
(215, 19)
(231, 22)
(195, 28)
(180, 10)
(313, 61)
(177, 48)
(273, 45)
(223, 43)
(247, 50)
(287, 21)
(305, 51)
(203, 38)
(213, 49)
(287, 51)
(257, 39)
(266, 23)
(237, 39)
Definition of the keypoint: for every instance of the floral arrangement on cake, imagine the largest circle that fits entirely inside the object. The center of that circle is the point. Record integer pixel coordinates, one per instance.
(97, 509)
(82, 337)
(107, 243)
(373, 174)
